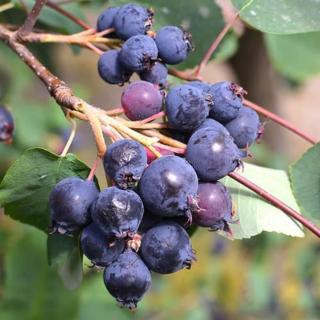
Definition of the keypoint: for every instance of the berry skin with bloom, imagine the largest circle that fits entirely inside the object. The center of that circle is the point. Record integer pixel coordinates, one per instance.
(212, 154)
(70, 203)
(245, 128)
(186, 107)
(168, 187)
(131, 20)
(174, 44)
(138, 53)
(166, 248)
(111, 70)
(157, 74)
(127, 279)
(124, 162)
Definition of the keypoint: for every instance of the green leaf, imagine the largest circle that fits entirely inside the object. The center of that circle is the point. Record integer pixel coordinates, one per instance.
(256, 215)
(32, 290)
(280, 16)
(25, 189)
(203, 21)
(64, 253)
(295, 56)
(305, 182)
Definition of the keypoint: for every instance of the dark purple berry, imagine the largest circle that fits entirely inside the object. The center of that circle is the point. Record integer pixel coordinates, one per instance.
(98, 248)
(174, 44)
(168, 187)
(124, 162)
(132, 20)
(70, 202)
(139, 53)
(166, 248)
(6, 125)
(127, 279)
(111, 70)
(245, 127)
(140, 100)
(227, 101)
(215, 207)
(186, 107)
(118, 212)
(106, 19)
(157, 74)
(212, 154)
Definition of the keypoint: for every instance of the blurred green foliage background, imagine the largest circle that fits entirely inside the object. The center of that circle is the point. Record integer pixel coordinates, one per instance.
(267, 277)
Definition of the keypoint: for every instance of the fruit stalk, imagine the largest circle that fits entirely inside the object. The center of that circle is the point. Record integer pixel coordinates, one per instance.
(276, 202)
(284, 123)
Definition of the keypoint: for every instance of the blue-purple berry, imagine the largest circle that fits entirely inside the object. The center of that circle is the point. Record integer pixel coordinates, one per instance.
(118, 212)
(157, 74)
(98, 248)
(168, 187)
(166, 248)
(186, 107)
(139, 53)
(127, 279)
(106, 19)
(70, 203)
(174, 44)
(212, 153)
(227, 101)
(124, 162)
(131, 20)
(111, 70)
(245, 127)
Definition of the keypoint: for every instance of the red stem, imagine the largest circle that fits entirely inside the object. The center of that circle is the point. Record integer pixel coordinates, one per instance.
(276, 202)
(67, 14)
(214, 45)
(94, 169)
(153, 117)
(282, 122)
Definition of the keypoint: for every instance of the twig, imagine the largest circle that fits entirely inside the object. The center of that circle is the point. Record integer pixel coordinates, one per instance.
(276, 202)
(31, 19)
(284, 123)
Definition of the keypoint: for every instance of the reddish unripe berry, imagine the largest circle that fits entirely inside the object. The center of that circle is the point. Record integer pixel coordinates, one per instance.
(141, 100)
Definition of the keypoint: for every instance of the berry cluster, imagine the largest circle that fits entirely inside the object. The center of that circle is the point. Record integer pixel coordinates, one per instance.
(143, 51)
(140, 223)
(6, 125)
